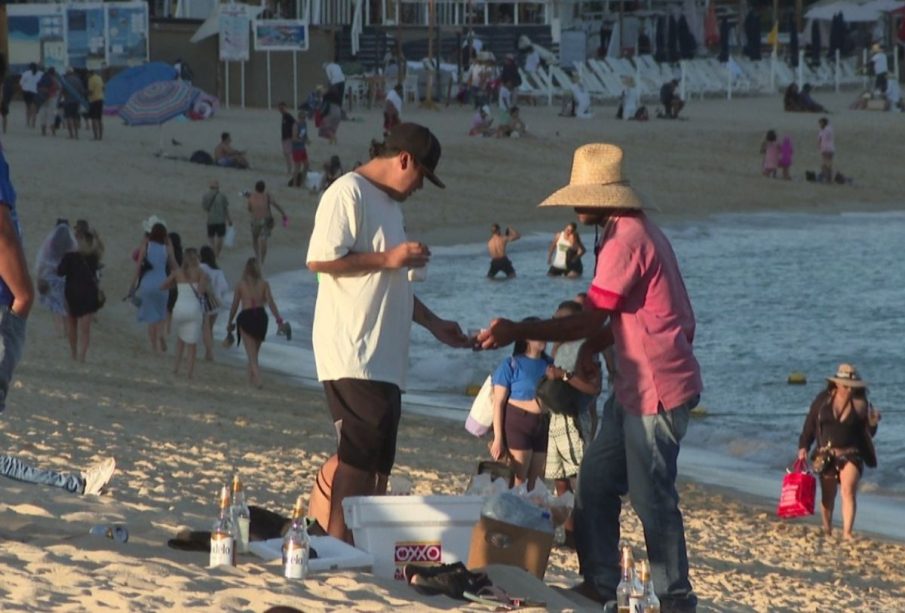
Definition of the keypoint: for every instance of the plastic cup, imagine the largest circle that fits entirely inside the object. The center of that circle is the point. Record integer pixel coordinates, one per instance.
(417, 275)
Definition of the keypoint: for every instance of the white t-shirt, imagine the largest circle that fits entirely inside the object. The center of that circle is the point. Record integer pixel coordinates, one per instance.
(879, 61)
(29, 81)
(532, 62)
(362, 323)
(334, 73)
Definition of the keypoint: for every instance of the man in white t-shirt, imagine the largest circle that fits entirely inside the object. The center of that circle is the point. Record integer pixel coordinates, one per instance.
(337, 79)
(878, 59)
(365, 307)
(29, 84)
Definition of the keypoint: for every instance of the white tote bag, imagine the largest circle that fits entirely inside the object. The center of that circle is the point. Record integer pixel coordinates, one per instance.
(480, 418)
(229, 240)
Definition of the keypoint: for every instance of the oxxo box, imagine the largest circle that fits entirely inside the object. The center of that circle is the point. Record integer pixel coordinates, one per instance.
(400, 530)
(496, 542)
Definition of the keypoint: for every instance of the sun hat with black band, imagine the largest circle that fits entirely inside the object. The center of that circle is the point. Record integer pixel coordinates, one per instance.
(848, 376)
(596, 181)
(421, 144)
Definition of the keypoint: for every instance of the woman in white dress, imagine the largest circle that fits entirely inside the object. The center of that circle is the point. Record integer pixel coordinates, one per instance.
(219, 296)
(192, 286)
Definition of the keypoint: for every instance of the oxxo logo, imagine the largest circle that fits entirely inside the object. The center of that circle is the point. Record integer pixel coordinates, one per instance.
(416, 552)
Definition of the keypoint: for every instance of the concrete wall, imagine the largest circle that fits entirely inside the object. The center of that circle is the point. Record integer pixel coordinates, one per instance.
(170, 39)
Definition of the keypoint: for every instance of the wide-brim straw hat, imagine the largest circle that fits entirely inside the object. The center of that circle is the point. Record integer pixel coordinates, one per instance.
(848, 376)
(596, 181)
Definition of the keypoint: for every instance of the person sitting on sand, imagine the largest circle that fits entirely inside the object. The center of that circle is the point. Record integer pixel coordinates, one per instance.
(807, 103)
(511, 125)
(791, 100)
(842, 422)
(496, 246)
(770, 149)
(332, 170)
(226, 156)
(481, 122)
(669, 98)
(630, 108)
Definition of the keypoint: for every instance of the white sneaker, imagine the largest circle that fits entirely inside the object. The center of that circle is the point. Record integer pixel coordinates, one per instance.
(98, 476)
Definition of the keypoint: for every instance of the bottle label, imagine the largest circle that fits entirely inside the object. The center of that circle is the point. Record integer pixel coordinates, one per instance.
(295, 561)
(243, 534)
(222, 550)
(636, 604)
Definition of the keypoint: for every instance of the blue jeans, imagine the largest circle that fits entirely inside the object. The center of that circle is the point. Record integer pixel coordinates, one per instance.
(12, 340)
(634, 454)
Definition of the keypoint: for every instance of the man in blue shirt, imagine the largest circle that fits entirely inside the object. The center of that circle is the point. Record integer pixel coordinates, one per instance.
(16, 299)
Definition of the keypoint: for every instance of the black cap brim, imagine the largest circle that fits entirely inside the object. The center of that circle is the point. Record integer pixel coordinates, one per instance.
(433, 178)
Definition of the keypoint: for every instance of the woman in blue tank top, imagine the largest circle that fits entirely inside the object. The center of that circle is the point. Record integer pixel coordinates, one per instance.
(519, 425)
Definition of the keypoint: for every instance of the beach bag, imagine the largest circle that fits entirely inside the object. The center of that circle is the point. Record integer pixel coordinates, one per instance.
(201, 157)
(480, 417)
(557, 396)
(229, 240)
(799, 488)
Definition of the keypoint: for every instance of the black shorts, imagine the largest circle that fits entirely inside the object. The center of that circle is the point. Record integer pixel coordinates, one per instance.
(29, 98)
(95, 109)
(574, 266)
(71, 110)
(526, 431)
(368, 412)
(216, 229)
(500, 265)
(880, 82)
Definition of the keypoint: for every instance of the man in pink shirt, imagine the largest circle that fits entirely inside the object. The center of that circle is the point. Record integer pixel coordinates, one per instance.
(637, 303)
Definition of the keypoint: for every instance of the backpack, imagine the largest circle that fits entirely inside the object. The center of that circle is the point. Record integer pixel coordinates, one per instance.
(202, 157)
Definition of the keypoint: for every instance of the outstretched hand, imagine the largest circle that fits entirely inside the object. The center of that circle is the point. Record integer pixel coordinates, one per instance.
(498, 334)
(449, 333)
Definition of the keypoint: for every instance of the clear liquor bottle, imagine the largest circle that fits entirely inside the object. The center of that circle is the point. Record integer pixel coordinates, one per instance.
(296, 544)
(223, 548)
(625, 588)
(650, 602)
(241, 516)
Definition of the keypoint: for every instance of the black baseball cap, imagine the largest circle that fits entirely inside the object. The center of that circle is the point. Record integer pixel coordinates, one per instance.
(421, 144)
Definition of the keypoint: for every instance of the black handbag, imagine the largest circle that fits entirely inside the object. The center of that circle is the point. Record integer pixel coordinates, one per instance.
(557, 396)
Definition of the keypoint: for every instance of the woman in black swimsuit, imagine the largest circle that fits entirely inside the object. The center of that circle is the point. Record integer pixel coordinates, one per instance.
(843, 422)
(252, 293)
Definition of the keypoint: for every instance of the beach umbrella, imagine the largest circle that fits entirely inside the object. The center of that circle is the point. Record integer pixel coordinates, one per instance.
(711, 28)
(752, 36)
(724, 40)
(120, 88)
(793, 41)
(672, 40)
(158, 103)
(815, 42)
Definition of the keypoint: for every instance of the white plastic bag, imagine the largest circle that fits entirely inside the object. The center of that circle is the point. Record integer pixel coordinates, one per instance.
(230, 239)
(480, 418)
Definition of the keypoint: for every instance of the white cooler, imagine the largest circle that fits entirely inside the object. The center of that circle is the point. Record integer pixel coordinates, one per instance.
(398, 530)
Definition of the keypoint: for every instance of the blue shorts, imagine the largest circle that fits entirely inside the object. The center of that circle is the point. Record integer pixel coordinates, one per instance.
(12, 341)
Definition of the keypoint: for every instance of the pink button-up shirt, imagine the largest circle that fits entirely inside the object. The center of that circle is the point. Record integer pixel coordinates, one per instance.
(638, 279)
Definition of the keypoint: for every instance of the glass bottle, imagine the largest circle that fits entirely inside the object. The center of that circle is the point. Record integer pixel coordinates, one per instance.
(624, 589)
(650, 602)
(223, 550)
(241, 516)
(296, 544)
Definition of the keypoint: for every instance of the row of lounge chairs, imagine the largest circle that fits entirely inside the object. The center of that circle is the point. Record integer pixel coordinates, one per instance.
(603, 78)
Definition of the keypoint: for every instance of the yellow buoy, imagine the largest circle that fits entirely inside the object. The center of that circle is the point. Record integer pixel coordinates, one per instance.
(699, 411)
(797, 378)
(472, 390)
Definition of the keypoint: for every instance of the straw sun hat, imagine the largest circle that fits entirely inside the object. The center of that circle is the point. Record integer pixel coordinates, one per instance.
(848, 376)
(597, 181)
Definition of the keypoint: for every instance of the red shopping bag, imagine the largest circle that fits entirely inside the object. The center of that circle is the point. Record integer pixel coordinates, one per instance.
(799, 488)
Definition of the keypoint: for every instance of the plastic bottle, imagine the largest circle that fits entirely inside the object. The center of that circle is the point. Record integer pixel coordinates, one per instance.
(114, 532)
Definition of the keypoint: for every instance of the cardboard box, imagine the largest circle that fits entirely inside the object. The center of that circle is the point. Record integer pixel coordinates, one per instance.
(496, 542)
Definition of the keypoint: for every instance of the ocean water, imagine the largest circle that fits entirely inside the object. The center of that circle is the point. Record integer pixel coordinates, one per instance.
(773, 294)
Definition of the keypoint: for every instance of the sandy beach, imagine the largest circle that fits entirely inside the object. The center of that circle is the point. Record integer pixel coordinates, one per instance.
(177, 441)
